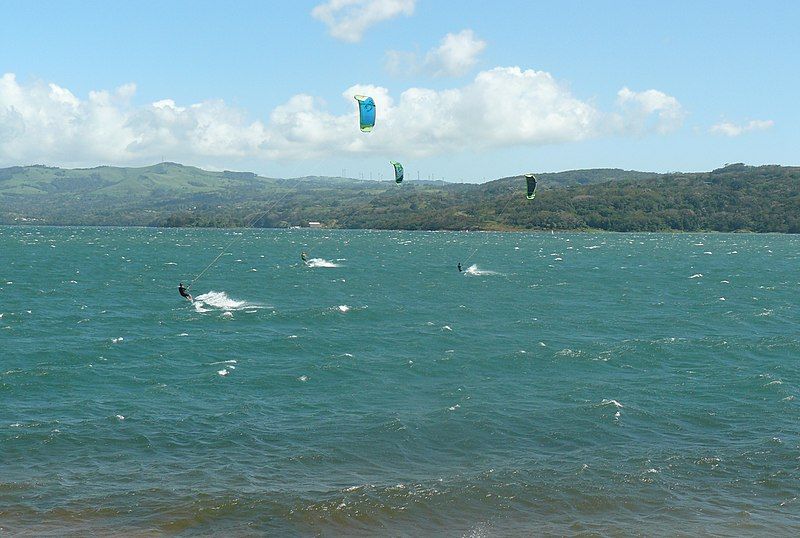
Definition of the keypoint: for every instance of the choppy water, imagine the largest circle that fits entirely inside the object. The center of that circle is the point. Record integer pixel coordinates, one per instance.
(566, 384)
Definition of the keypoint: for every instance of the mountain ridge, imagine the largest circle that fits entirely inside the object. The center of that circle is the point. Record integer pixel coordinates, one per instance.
(733, 197)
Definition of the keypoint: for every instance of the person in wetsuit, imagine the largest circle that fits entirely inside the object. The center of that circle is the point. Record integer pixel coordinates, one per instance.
(459, 267)
(304, 257)
(184, 293)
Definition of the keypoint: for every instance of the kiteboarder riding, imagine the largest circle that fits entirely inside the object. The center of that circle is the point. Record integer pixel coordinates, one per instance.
(459, 267)
(184, 293)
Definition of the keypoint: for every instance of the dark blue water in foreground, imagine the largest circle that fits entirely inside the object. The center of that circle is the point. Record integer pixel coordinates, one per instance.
(568, 384)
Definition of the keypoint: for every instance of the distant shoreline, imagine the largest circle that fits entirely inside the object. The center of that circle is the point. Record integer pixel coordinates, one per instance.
(307, 228)
(736, 198)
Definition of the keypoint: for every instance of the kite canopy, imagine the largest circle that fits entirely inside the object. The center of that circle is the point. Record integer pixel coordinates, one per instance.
(531, 180)
(366, 112)
(398, 171)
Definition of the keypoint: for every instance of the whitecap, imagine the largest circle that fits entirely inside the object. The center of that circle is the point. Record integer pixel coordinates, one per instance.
(321, 262)
(447, 328)
(223, 373)
(454, 407)
(474, 271)
(220, 300)
(120, 417)
(697, 275)
(343, 308)
(117, 340)
(303, 378)
(227, 314)
(615, 403)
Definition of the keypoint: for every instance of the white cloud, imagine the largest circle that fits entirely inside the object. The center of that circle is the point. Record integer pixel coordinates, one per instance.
(455, 56)
(500, 107)
(48, 124)
(731, 129)
(650, 110)
(398, 62)
(347, 20)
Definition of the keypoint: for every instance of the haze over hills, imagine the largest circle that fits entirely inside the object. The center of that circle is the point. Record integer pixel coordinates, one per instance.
(736, 197)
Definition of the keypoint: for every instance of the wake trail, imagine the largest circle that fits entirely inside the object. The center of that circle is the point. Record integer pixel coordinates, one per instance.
(219, 300)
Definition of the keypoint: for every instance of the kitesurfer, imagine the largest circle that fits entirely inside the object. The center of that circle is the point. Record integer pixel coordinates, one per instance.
(304, 257)
(184, 293)
(459, 267)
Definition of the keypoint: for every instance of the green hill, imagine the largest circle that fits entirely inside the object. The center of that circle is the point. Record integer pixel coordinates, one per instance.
(736, 197)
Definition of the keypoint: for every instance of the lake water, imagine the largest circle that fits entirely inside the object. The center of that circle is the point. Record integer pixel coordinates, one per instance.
(564, 384)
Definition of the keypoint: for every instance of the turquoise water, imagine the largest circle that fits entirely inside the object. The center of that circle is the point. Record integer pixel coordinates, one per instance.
(567, 384)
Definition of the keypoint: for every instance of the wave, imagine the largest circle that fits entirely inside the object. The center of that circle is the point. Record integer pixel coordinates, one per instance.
(473, 270)
(221, 301)
(321, 262)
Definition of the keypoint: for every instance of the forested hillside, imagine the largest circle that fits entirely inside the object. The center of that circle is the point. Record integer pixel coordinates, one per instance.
(733, 198)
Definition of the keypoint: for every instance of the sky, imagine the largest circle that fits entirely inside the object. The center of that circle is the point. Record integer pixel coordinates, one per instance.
(465, 90)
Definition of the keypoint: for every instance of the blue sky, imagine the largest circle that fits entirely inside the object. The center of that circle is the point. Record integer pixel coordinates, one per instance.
(466, 90)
